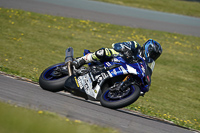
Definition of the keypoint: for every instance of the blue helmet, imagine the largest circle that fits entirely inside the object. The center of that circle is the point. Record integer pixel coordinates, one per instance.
(152, 49)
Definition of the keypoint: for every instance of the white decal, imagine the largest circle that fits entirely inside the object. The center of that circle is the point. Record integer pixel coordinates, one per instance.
(80, 82)
(122, 45)
(109, 74)
(91, 75)
(100, 52)
(108, 64)
(131, 70)
(104, 75)
(115, 60)
(114, 72)
(86, 84)
(123, 70)
(96, 91)
(98, 78)
(143, 70)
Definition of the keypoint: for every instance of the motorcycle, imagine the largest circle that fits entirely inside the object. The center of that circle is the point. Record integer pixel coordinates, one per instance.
(116, 83)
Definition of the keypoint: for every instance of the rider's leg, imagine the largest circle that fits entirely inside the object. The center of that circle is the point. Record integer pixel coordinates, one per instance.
(83, 60)
(99, 55)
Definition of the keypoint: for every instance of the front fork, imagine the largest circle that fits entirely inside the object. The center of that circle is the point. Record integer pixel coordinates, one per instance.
(123, 85)
(126, 80)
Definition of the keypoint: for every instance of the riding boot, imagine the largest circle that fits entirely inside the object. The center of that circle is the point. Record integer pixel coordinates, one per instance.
(82, 61)
(78, 62)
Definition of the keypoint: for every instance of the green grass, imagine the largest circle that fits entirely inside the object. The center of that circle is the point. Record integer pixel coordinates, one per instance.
(31, 42)
(184, 7)
(16, 119)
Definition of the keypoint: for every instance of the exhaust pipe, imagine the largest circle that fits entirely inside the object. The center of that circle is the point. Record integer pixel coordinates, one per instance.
(69, 53)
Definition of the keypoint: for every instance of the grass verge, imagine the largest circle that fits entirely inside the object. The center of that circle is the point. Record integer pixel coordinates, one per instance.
(30, 42)
(16, 119)
(184, 7)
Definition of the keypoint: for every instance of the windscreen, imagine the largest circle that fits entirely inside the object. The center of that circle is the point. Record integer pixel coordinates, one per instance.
(151, 65)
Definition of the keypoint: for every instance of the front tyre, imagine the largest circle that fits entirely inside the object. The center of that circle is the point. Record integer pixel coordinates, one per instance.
(53, 78)
(115, 100)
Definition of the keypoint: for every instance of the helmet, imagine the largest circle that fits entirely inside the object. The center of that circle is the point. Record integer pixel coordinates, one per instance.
(152, 49)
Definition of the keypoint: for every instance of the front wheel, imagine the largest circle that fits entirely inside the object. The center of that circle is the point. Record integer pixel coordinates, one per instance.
(53, 78)
(120, 99)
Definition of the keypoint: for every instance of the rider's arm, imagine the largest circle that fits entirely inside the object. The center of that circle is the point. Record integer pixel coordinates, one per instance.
(124, 46)
(104, 54)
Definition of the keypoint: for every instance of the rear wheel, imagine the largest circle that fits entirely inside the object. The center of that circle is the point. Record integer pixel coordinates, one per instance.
(117, 98)
(53, 78)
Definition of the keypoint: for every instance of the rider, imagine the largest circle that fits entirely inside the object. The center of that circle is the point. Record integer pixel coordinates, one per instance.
(151, 49)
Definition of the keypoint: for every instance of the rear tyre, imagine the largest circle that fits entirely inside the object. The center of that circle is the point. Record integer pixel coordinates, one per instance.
(115, 101)
(53, 78)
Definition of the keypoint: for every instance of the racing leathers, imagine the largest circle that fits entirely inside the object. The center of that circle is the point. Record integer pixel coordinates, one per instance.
(129, 49)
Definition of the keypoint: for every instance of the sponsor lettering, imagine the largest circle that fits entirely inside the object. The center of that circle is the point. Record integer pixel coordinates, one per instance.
(76, 81)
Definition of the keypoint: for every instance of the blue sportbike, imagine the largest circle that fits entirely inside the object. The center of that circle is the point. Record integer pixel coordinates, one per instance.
(116, 83)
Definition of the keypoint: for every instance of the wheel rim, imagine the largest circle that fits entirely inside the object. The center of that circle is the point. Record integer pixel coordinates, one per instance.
(116, 96)
(51, 75)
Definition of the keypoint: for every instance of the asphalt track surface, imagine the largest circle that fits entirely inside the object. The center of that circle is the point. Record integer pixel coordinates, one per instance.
(30, 95)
